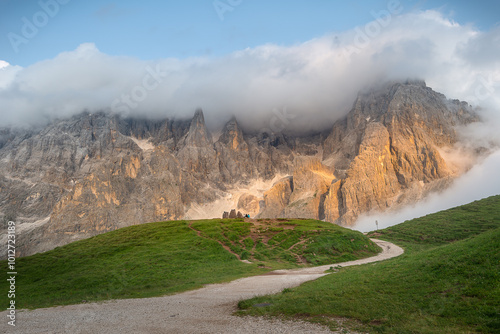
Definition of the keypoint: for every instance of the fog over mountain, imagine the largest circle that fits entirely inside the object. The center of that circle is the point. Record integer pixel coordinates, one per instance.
(315, 81)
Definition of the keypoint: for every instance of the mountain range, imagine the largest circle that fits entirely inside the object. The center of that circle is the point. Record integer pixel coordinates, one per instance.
(96, 172)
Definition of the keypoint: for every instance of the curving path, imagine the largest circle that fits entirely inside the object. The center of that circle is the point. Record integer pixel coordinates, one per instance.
(206, 310)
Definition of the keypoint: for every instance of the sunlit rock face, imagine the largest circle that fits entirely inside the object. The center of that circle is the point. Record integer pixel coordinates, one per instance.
(386, 151)
(94, 173)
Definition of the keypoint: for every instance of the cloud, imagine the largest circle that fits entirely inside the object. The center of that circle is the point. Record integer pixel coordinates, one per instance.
(7, 74)
(482, 50)
(316, 81)
(479, 182)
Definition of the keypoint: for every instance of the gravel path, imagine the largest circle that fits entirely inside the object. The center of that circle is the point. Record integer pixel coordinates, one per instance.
(206, 310)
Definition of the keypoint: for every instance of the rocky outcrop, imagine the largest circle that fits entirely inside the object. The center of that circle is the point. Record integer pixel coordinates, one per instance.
(311, 182)
(371, 181)
(249, 203)
(93, 173)
(232, 214)
(277, 198)
(234, 154)
(198, 160)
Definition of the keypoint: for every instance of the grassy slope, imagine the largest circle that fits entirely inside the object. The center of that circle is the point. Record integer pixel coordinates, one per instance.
(161, 258)
(448, 280)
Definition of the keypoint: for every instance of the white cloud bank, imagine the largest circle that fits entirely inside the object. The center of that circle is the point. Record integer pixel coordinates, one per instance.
(317, 80)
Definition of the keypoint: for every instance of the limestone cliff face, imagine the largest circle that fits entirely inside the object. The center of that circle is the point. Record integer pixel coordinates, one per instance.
(88, 178)
(234, 154)
(93, 173)
(311, 183)
(250, 204)
(371, 180)
(198, 161)
(387, 145)
(277, 198)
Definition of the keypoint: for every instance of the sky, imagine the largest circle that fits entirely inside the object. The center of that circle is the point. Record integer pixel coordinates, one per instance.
(299, 62)
(192, 28)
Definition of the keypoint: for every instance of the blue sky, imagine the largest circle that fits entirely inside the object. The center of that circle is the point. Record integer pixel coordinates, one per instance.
(192, 28)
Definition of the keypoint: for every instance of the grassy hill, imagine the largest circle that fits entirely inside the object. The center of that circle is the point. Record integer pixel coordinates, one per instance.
(448, 280)
(167, 257)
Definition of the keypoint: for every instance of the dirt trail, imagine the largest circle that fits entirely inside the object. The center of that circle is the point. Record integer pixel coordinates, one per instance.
(206, 310)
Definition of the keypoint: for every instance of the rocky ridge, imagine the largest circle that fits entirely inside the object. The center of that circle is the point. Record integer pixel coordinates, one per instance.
(94, 173)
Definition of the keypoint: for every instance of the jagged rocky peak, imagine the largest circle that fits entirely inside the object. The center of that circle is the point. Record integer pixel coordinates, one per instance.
(198, 134)
(390, 143)
(198, 118)
(399, 107)
(232, 135)
(416, 82)
(384, 101)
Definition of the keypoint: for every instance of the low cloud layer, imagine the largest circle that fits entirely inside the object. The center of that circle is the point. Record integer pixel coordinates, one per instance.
(315, 82)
